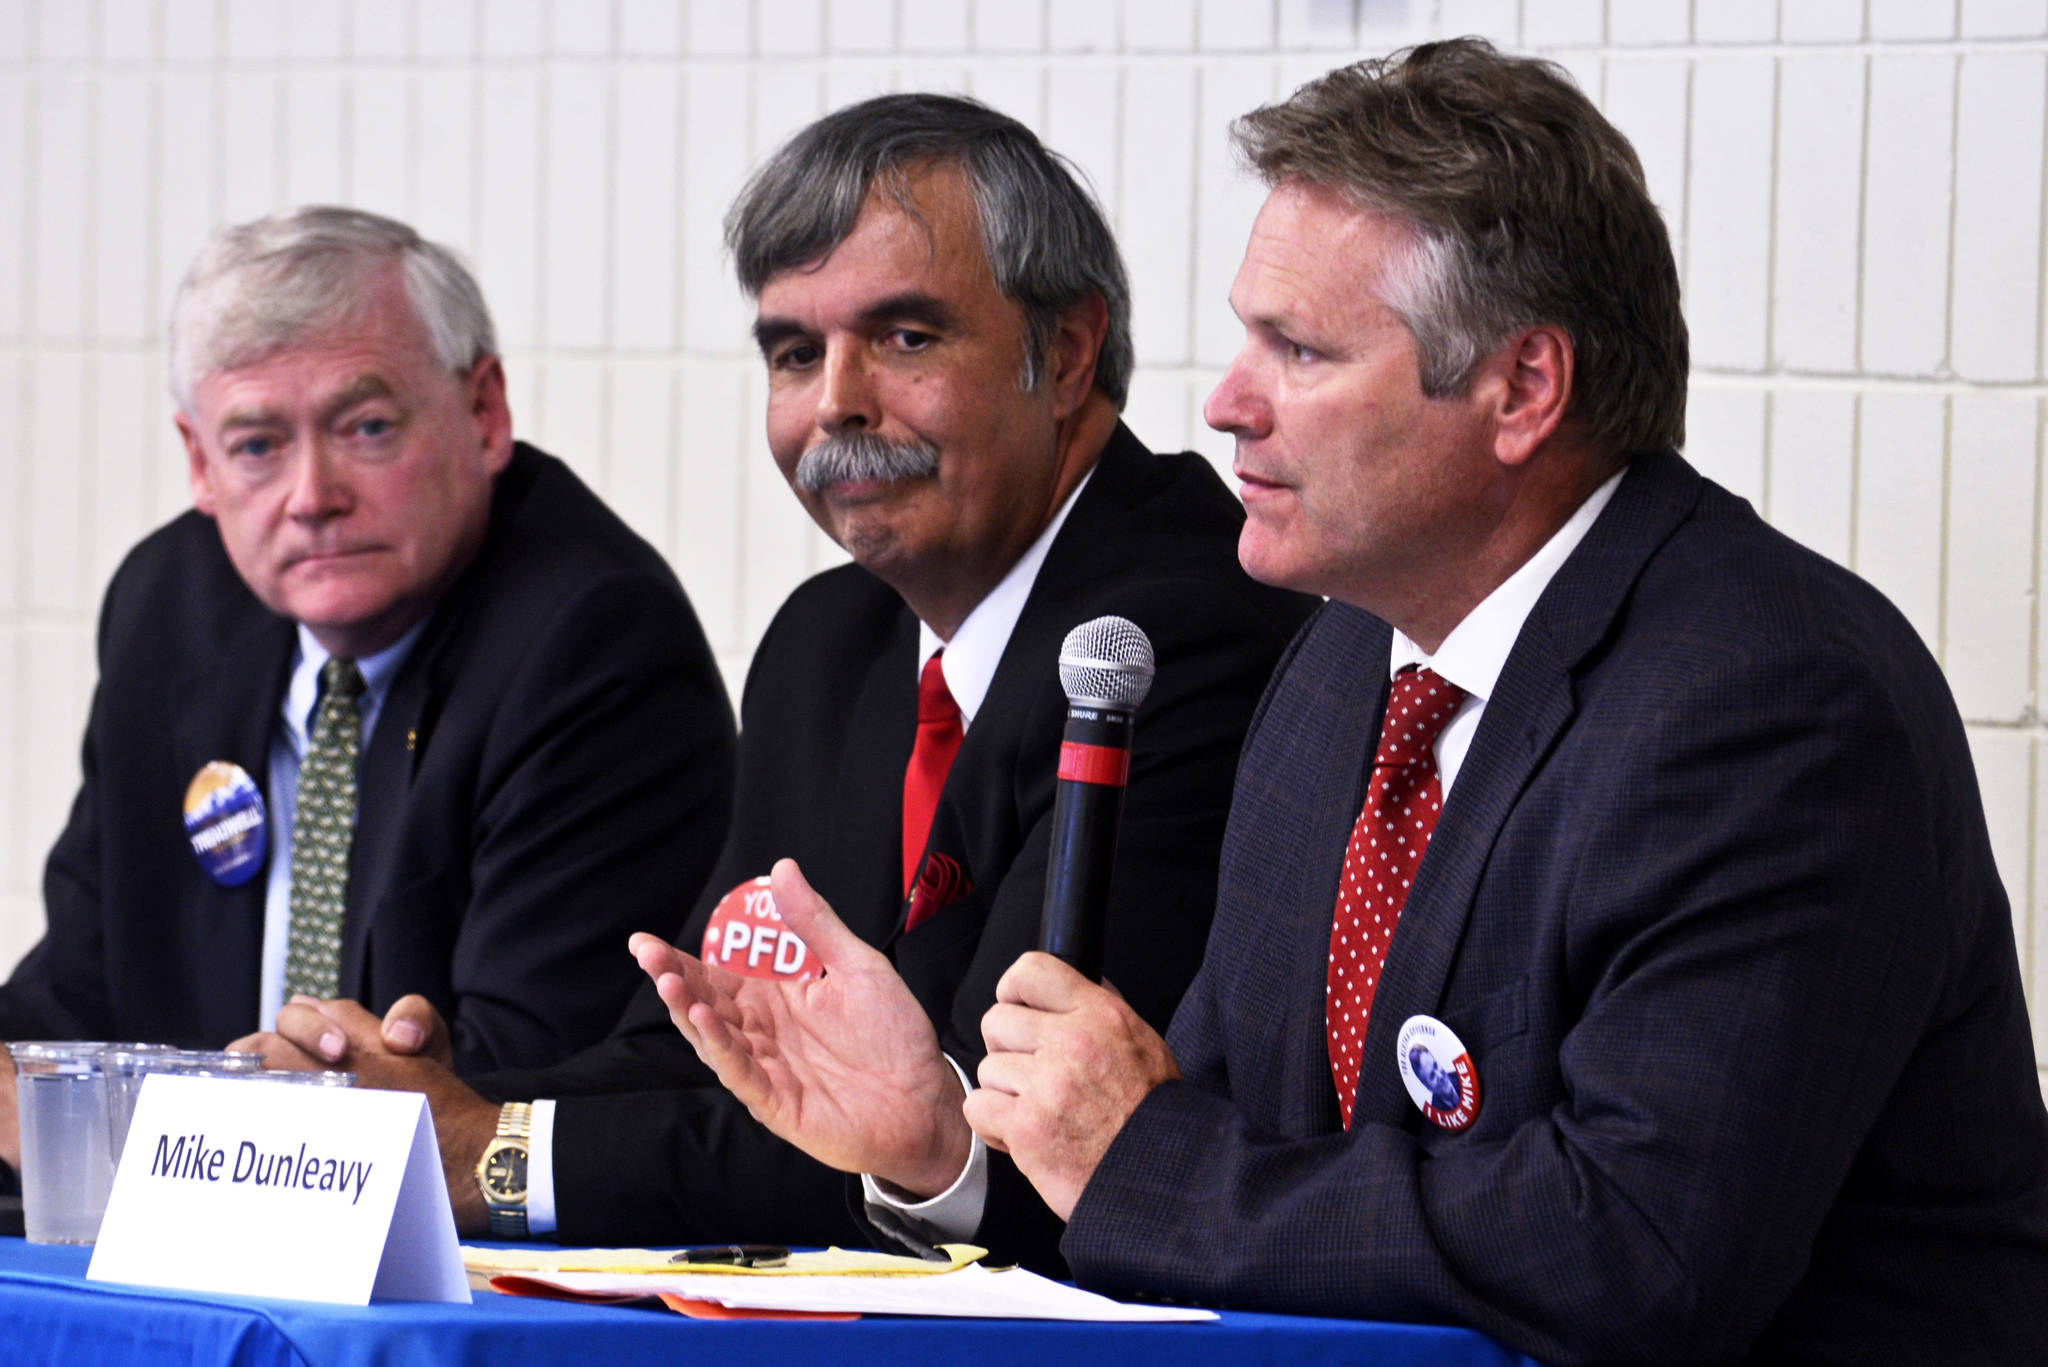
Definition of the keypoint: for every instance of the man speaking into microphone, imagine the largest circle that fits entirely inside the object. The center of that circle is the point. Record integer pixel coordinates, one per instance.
(945, 323)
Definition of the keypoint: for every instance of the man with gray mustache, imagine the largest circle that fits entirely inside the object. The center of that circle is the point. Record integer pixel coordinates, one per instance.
(945, 322)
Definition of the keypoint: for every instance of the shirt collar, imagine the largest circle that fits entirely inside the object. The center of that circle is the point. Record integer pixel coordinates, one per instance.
(977, 646)
(303, 693)
(1477, 649)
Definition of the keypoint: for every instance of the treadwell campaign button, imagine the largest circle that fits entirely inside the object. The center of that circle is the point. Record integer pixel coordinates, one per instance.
(1437, 1070)
(746, 935)
(224, 820)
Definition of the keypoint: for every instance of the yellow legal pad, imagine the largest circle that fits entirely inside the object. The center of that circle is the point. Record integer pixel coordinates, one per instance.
(831, 1262)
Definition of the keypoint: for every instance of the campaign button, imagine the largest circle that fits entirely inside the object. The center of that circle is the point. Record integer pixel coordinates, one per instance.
(746, 936)
(225, 822)
(1437, 1070)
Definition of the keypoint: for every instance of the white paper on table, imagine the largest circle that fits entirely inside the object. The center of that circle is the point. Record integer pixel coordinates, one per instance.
(972, 1292)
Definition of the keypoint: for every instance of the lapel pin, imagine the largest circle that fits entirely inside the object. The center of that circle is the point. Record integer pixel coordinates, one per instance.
(225, 823)
(1437, 1070)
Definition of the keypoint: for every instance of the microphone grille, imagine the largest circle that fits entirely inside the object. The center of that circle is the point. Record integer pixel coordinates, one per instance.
(1108, 662)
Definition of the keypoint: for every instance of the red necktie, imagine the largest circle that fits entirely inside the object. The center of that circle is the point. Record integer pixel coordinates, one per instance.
(939, 731)
(1401, 804)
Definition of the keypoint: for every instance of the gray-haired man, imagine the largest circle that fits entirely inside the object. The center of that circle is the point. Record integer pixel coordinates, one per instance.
(400, 708)
(945, 324)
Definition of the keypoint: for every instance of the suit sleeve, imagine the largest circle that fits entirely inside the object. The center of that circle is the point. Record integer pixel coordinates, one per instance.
(648, 1148)
(1757, 932)
(643, 1050)
(59, 989)
(603, 796)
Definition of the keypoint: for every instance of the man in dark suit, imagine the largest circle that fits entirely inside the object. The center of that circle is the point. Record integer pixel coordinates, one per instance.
(1657, 831)
(943, 397)
(544, 743)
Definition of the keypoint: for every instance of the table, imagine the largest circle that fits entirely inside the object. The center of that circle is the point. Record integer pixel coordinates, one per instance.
(49, 1313)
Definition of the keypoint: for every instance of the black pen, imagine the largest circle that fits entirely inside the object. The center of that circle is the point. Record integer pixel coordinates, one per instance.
(735, 1255)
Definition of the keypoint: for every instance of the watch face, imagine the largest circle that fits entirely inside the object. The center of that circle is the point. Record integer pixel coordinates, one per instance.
(504, 1174)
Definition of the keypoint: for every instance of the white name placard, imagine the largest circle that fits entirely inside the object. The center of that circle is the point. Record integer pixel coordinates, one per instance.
(271, 1189)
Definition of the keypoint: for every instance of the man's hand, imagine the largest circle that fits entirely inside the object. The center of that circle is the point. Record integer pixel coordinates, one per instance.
(845, 1066)
(341, 1034)
(1067, 1063)
(10, 1113)
(322, 1032)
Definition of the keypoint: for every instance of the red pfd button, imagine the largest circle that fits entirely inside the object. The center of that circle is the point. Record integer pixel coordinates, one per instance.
(746, 936)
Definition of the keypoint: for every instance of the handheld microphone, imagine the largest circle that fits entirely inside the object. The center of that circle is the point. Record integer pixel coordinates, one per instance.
(1106, 670)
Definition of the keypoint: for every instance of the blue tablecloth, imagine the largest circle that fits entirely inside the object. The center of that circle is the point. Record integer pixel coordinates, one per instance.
(50, 1313)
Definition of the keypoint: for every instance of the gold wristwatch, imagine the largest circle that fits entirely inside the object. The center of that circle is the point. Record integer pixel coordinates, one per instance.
(501, 1172)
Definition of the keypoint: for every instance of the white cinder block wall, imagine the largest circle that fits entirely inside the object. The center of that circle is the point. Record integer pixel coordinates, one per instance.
(1855, 189)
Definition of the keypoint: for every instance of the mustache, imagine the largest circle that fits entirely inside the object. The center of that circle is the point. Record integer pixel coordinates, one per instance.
(858, 454)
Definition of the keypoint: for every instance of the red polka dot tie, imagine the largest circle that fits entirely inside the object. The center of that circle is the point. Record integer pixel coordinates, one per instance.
(1401, 804)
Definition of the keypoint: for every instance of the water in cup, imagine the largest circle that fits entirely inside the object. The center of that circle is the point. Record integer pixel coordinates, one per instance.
(66, 1169)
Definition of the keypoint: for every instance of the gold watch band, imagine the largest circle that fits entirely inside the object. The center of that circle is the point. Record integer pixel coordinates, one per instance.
(515, 1120)
(515, 1124)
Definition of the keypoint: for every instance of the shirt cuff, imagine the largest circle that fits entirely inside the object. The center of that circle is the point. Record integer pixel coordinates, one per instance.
(955, 1213)
(540, 1170)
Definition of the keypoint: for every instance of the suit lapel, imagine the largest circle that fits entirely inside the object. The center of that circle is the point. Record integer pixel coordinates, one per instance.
(970, 825)
(967, 825)
(1532, 705)
(1095, 531)
(866, 810)
(405, 725)
(1337, 787)
(382, 781)
(228, 710)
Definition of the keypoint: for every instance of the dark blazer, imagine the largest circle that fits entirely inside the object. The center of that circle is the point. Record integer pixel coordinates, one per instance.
(1712, 906)
(828, 719)
(551, 768)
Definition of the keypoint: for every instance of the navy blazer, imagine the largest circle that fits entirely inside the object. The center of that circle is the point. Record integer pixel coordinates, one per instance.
(1711, 904)
(829, 715)
(552, 765)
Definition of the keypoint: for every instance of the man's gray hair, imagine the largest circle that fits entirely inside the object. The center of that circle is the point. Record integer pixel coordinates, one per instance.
(1046, 240)
(258, 287)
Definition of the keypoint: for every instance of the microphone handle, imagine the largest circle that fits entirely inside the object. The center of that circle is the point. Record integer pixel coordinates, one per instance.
(1095, 763)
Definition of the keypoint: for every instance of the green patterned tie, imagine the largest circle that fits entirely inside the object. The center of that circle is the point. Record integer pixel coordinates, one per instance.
(322, 833)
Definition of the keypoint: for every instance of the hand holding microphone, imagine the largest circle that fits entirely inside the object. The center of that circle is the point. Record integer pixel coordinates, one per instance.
(1106, 668)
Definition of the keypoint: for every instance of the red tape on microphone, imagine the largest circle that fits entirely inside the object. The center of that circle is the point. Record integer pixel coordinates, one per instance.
(1107, 765)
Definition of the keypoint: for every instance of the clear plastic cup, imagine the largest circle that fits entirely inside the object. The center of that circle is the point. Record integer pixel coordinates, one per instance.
(218, 1060)
(299, 1079)
(215, 1071)
(66, 1171)
(125, 1065)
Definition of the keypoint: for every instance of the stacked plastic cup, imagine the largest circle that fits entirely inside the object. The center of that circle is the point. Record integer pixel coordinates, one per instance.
(66, 1170)
(77, 1100)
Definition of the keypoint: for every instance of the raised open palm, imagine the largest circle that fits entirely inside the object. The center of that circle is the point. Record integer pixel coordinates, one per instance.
(845, 1066)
